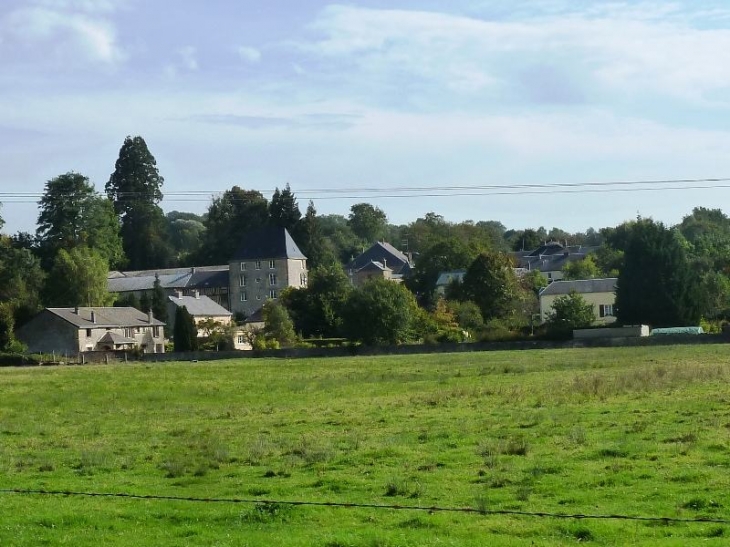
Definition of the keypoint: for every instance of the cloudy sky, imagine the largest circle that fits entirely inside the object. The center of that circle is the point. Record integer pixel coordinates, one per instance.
(355, 101)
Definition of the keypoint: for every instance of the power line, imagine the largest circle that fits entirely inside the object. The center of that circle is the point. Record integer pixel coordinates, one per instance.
(346, 505)
(411, 192)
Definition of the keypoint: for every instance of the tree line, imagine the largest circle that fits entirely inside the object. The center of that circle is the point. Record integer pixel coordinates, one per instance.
(667, 274)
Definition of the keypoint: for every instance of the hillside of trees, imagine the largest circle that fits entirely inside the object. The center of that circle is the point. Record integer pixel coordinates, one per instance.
(668, 275)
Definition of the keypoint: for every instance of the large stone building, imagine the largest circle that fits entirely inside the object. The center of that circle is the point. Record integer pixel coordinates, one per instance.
(71, 331)
(266, 262)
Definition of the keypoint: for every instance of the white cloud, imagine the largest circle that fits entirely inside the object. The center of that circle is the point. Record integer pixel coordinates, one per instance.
(64, 36)
(249, 54)
(645, 48)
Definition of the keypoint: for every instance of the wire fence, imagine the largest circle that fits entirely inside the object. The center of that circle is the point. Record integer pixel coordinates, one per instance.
(377, 506)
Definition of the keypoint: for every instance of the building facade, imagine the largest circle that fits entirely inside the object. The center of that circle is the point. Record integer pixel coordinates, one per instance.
(267, 262)
(599, 292)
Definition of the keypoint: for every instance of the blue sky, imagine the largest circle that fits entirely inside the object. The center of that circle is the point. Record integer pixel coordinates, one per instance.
(374, 95)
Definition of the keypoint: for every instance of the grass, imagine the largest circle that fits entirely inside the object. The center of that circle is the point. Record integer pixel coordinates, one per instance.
(640, 431)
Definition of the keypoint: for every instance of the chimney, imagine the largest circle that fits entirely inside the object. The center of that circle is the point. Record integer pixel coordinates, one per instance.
(93, 316)
(192, 270)
(178, 292)
(197, 294)
(76, 310)
(149, 317)
(385, 262)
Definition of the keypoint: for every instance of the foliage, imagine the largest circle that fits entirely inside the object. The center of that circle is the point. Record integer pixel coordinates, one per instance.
(159, 301)
(72, 214)
(7, 325)
(490, 282)
(367, 222)
(444, 255)
(381, 312)
(185, 333)
(22, 280)
(441, 325)
(187, 231)
(468, 315)
(216, 335)
(310, 237)
(317, 309)
(570, 312)
(526, 240)
(278, 324)
(284, 210)
(656, 285)
(585, 268)
(78, 278)
(135, 188)
(229, 216)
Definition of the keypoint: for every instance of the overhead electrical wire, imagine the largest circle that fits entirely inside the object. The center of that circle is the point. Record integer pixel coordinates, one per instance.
(395, 192)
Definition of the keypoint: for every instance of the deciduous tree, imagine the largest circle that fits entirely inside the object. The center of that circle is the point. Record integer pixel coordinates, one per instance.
(78, 278)
(490, 282)
(369, 223)
(570, 312)
(381, 312)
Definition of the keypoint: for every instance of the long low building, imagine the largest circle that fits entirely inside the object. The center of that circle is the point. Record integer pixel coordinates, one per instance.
(71, 331)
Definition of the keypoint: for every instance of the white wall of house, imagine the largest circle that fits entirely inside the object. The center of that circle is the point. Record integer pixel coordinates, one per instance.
(603, 306)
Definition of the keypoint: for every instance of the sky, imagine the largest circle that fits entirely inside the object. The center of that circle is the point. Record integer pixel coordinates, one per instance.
(480, 110)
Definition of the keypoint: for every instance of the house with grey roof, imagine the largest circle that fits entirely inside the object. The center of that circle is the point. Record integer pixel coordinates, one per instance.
(601, 293)
(210, 281)
(447, 278)
(550, 258)
(381, 260)
(266, 262)
(72, 331)
(199, 306)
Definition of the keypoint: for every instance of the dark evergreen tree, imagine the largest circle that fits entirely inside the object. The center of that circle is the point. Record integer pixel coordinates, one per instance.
(311, 240)
(159, 301)
(135, 188)
(145, 304)
(284, 210)
(656, 284)
(230, 216)
(185, 335)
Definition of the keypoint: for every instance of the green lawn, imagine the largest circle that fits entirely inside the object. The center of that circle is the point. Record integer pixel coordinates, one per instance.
(636, 431)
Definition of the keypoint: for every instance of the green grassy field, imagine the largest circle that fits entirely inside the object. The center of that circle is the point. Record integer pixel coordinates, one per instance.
(635, 431)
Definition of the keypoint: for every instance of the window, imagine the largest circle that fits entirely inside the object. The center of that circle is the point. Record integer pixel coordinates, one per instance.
(242, 280)
(272, 293)
(241, 339)
(303, 279)
(243, 266)
(156, 332)
(272, 280)
(88, 333)
(244, 296)
(258, 264)
(258, 280)
(258, 297)
(272, 264)
(605, 310)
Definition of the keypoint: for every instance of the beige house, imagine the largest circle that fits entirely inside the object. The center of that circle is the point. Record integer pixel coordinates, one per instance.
(381, 260)
(71, 331)
(599, 292)
(267, 262)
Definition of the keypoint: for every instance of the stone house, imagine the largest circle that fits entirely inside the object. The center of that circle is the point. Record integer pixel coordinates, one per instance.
(381, 260)
(71, 331)
(267, 261)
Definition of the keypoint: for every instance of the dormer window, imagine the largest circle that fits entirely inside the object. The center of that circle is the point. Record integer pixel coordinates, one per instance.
(272, 264)
(258, 264)
(243, 266)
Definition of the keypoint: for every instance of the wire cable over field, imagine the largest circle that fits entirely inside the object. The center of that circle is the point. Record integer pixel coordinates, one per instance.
(346, 505)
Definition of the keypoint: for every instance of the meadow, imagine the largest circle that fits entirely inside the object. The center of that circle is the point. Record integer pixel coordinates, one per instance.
(631, 431)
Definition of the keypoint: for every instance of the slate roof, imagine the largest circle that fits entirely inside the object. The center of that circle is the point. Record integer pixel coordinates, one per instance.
(447, 277)
(374, 266)
(551, 257)
(267, 243)
(177, 278)
(105, 317)
(581, 286)
(385, 254)
(200, 306)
